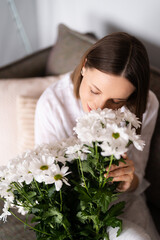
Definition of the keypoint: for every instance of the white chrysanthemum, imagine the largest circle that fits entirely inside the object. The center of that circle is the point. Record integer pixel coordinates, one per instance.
(108, 150)
(5, 212)
(3, 188)
(130, 117)
(77, 151)
(90, 131)
(116, 136)
(4, 193)
(58, 176)
(135, 139)
(23, 170)
(5, 180)
(58, 149)
(94, 125)
(10, 173)
(23, 211)
(109, 127)
(106, 113)
(2, 172)
(40, 168)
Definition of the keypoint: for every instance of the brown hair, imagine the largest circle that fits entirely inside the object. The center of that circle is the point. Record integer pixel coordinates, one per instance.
(119, 54)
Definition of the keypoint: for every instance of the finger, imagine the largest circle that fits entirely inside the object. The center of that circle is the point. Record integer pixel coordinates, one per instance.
(124, 178)
(123, 186)
(122, 171)
(124, 155)
(127, 163)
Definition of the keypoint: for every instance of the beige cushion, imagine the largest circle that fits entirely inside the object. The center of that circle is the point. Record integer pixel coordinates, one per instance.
(25, 121)
(68, 50)
(10, 123)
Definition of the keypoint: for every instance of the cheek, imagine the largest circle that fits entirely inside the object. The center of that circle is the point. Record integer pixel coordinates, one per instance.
(83, 91)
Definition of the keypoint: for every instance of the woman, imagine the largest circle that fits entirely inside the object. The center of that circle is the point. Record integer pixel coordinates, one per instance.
(112, 73)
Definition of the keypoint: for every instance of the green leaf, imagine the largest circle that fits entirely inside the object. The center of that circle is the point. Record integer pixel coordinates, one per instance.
(82, 217)
(105, 236)
(107, 159)
(87, 168)
(111, 220)
(36, 219)
(83, 195)
(31, 194)
(35, 210)
(103, 198)
(66, 222)
(86, 217)
(116, 209)
(115, 222)
(51, 191)
(53, 212)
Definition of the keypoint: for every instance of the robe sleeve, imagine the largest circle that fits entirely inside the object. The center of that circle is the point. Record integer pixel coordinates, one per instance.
(140, 158)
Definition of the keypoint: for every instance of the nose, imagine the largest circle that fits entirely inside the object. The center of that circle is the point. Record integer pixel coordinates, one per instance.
(102, 103)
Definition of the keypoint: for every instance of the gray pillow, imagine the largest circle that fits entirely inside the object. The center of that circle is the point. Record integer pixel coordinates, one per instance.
(68, 50)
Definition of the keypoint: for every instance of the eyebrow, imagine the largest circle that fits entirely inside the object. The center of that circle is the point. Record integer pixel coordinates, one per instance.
(96, 88)
(121, 99)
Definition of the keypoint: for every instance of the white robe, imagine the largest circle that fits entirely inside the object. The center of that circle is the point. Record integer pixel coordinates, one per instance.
(55, 117)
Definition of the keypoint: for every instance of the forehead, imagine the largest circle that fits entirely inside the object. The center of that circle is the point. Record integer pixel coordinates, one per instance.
(108, 84)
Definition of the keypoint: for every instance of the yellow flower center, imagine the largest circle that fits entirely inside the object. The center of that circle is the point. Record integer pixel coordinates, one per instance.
(115, 135)
(58, 177)
(44, 167)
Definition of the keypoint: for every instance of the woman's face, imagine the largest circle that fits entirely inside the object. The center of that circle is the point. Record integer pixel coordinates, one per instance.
(101, 90)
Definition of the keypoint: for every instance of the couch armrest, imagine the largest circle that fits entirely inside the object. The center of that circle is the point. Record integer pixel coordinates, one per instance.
(33, 65)
(153, 165)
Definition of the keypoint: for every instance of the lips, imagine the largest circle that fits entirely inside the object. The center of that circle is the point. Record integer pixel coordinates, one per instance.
(89, 109)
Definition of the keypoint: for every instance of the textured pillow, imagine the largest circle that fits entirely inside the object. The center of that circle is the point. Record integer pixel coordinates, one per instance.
(9, 90)
(68, 50)
(25, 122)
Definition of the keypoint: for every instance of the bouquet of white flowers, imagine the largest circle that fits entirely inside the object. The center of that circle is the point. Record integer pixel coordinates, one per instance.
(63, 185)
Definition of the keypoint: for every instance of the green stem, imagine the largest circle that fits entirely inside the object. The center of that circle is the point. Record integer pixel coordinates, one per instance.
(50, 199)
(96, 150)
(100, 179)
(37, 187)
(61, 201)
(97, 229)
(101, 172)
(2, 199)
(29, 225)
(111, 160)
(80, 165)
(69, 235)
(21, 192)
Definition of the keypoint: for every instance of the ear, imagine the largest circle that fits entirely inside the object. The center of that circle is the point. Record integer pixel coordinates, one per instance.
(83, 71)
(84, 68)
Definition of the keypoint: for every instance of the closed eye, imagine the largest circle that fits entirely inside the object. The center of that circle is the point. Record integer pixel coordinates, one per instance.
(93, 92)
(117, 102)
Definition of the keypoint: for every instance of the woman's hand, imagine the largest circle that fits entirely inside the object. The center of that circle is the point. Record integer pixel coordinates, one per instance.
(124, 173)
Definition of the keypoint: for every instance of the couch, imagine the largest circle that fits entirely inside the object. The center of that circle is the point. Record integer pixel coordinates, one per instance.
(34, 73)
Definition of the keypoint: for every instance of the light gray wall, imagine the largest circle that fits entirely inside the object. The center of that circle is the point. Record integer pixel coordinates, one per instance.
(18, 33)
(40, 19)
